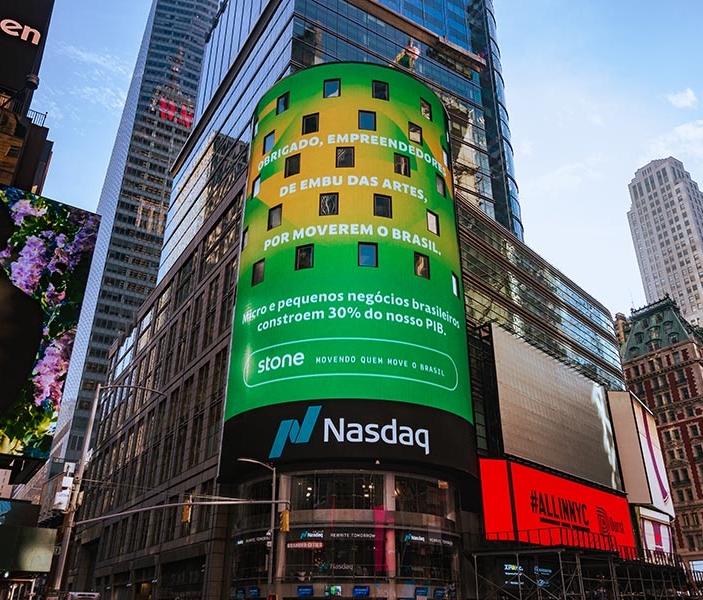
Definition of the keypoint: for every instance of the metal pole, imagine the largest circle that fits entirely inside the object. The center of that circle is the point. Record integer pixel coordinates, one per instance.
(71, 514)
(273, 526)
(274, 503)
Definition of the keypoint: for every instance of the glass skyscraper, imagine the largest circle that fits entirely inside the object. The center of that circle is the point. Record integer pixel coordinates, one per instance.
(358, 528)
(254, 44)
(156, 120)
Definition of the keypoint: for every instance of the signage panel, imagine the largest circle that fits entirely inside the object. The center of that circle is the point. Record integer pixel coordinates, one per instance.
(305, 591)
(45, 253)
(23, 28)
(561, 421)
(349, 284)
(551, 510)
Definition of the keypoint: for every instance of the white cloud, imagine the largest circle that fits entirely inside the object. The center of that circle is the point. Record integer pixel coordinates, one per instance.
(102, 62)
(685, 99)
(111, 99)
(565, 179)
(684, 142)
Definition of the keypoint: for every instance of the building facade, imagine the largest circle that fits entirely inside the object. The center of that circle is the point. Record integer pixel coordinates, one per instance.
(157, 118)
(666, 222)
(377, 516)
(662, 358)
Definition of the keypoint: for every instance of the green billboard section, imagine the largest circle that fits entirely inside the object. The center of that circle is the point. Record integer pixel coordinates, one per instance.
(349, 277)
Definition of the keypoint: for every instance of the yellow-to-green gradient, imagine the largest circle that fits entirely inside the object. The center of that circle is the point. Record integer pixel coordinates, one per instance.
(343, 325)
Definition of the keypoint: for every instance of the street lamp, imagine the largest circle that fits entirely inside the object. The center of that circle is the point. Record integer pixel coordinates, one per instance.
(75, 491)
(271, 468)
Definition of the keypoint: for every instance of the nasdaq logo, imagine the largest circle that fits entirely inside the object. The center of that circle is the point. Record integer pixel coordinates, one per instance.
(295, 432)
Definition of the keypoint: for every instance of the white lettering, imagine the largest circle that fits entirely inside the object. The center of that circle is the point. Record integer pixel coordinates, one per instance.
(391, 434)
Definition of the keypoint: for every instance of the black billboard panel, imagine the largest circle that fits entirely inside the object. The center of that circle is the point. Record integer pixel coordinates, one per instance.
(337, 432)
(23, 28)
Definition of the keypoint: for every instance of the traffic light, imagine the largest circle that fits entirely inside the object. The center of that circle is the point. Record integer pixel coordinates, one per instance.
(187, 510)
(273, 596)
(284, 519)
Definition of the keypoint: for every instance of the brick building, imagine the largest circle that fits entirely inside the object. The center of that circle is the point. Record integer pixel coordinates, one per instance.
(663, 362)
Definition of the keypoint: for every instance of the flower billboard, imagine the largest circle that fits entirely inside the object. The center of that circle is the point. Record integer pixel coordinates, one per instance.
(45, 253)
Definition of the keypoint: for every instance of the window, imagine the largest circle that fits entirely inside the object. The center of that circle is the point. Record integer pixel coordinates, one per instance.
(379, 90)
(275, 216)
(401, 164)
(304, 257)
(282, 103)
(268, 142)
(432, 222)
(292, 165)
(422, 265)
(329, 204)
(255, 127)
(311, 123)
(441, 187)
(382, 206)
(455, 285)
(332, 88)
(257, 275)
(426, 109)
(256, 186)
(345, 156)
(414, 133)
(368, 254)
(367, 120)
(245, 238)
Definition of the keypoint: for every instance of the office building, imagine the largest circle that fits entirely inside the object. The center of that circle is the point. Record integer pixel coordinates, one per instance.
(156, 119)
(324, 199)
(663, 361)
(45, 254)
(666, 222)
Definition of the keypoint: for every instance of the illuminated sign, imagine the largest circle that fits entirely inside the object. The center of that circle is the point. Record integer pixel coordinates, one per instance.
(23, 26)
(550, 510)
(349, 284)
(24, 32)
(168, 111)
(552, 415)
(305, 545)
(304, 591)
(45, 253)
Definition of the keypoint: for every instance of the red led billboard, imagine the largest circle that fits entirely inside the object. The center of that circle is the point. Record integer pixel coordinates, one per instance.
(529, 505)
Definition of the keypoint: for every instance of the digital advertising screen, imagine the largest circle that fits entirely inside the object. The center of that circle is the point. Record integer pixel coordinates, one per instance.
(45, 252)
(526, 504)
(656, 533)
(552, 415)
(640, 453)
(349, 278)
(23, 28)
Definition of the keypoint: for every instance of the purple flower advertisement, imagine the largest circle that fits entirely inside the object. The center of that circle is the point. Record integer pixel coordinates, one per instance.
(45, 253)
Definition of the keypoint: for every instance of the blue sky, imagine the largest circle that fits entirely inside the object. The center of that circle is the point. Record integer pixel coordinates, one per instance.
(595, 90)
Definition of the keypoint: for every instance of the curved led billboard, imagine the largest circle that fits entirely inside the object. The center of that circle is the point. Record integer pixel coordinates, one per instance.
(349, 287)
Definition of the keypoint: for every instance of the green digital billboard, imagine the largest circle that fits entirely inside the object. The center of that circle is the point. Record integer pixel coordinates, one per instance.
(349, 277)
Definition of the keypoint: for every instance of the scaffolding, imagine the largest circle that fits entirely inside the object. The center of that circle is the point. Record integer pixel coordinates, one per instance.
(559, 573)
